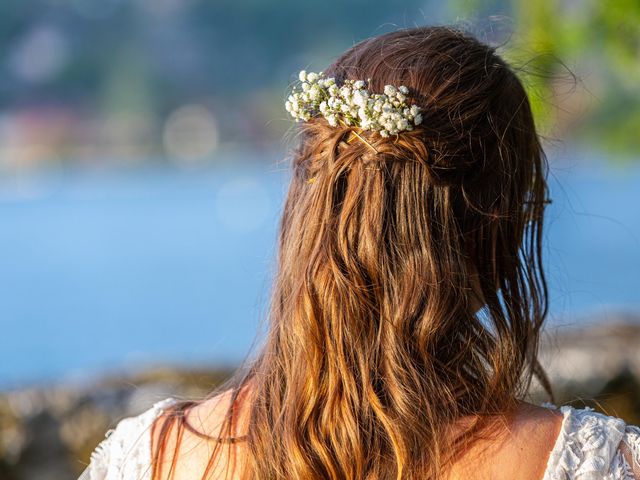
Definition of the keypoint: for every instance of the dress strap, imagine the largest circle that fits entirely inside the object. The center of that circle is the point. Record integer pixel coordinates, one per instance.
(125, 453)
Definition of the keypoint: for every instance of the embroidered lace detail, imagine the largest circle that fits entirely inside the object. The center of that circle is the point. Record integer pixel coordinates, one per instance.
(125, 453)
(628, 460)
(589, 447)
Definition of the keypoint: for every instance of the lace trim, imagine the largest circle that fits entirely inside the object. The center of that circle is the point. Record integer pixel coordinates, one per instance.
(620, 469)
(631, 441)
(587, 447)
(122, 454)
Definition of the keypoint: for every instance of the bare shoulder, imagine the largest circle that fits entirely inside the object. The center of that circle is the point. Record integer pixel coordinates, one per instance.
(520, 449)
(191, 437)
(208, 416)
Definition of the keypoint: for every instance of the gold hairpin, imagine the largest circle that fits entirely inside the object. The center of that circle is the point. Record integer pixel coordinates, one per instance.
(353, 135)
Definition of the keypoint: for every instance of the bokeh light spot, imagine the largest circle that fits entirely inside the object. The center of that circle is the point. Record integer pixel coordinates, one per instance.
(190, 134)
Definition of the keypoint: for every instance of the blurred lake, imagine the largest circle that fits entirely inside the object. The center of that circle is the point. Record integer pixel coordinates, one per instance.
(103, 269)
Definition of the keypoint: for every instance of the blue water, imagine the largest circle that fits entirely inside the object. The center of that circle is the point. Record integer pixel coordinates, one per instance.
(108, 269)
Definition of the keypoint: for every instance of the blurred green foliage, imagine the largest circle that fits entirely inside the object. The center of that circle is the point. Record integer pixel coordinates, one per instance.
(598, 41)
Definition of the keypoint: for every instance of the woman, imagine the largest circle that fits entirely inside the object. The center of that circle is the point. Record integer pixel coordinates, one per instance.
(409, 297)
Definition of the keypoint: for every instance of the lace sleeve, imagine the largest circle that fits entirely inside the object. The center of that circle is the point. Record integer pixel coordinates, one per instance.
(125, 453)
(627, 460)
(589, 447)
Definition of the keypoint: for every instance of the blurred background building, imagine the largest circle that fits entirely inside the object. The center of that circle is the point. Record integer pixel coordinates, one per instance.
(142, 172)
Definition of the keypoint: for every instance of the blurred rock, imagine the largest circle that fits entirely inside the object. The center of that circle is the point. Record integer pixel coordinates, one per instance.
(597, 366)
(49, 433)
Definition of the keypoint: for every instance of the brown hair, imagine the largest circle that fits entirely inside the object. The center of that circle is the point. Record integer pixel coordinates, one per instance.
(373, 349)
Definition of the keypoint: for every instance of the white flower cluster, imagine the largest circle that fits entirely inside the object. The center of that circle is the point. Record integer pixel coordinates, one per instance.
(352, 104)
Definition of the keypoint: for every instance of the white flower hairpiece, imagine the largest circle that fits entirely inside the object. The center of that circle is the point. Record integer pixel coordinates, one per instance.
(352, 104)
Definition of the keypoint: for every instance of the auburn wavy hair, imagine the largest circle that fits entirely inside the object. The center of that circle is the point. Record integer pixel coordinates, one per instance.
(373, 347)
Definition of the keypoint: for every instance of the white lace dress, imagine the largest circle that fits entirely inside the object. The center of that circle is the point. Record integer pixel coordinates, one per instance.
(590, 446)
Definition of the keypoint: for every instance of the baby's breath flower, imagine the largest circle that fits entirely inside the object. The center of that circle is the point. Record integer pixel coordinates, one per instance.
(352, 104)
(359, 99)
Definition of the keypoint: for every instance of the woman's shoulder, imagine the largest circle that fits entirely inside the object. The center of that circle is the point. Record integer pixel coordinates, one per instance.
(513, 446)
(556, 443)
(125, 451)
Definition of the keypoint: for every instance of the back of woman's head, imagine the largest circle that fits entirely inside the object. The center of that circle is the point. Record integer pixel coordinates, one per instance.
(375, 346)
